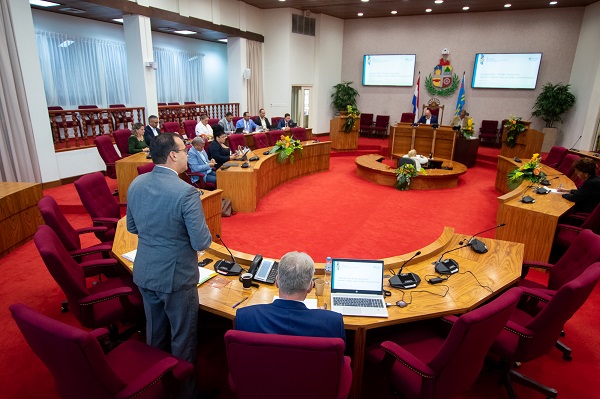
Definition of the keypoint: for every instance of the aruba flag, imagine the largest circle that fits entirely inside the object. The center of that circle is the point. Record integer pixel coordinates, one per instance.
(460, 102)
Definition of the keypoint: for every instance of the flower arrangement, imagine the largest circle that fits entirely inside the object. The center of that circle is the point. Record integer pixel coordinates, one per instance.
(531, 171)
(353, 114)
(285, 147)
(469, 130)
(514, 126)
(404, 174)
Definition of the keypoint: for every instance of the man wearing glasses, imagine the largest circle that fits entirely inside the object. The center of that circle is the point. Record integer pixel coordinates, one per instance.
(166, 214)
(152, 130)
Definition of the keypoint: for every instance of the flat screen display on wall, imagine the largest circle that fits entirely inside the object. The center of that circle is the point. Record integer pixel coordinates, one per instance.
(388, 69)
(506, 71)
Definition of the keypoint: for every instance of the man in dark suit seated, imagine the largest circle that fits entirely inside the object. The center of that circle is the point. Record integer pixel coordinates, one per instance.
(286, 123)
(288, 315)
(428, 119)
(262, 121)
(152, 130)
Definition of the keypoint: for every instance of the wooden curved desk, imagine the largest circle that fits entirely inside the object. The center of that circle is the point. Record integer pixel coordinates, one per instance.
(531, 224)
(370, 168)
(246, 187)
(498, 269)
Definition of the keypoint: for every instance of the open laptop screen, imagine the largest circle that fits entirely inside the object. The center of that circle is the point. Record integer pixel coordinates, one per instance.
(357, 276)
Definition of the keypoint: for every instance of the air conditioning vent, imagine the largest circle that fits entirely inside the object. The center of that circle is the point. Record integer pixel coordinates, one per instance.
(303, 25)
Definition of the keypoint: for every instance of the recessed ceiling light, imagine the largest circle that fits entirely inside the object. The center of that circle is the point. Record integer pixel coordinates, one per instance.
(428, 10)
(394, 12)
(281, 0)
(185, 32)
(66, 43)
(119, 20)
(553, 3)
(507, 5)
(360, 14)
(365, 1)
(439, 1)
(42, 3)
(465, 8)
(222, 40)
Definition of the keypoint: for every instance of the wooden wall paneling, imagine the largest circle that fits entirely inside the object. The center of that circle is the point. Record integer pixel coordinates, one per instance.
(19, 215)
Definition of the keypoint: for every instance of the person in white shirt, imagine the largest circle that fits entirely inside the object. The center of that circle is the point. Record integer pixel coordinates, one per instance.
(419, 159)
(203, 128)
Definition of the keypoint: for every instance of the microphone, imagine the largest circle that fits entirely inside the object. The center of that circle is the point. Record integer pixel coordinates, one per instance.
(226, 267)
(546, 182)
(573, 148)
(405, 280)
(449, 266)
(526, 199)
(477, 245)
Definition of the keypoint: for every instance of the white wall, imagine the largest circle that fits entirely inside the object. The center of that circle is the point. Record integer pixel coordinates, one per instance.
(554, 32)
(585, 82)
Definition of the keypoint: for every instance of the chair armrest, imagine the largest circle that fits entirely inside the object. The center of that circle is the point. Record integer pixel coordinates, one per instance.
(103, 337)
(540, 294)
(106, 220)
(99, 333)
(104, 247)
(449, 319)
(518, 329)
(92, 229)
(407, 359)
(532, 263)
(105, 296)
(95, 267)
(569, 227)
(574, 219)
(149, 378)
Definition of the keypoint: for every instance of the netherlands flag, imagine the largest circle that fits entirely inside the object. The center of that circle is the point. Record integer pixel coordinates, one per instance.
(415, 101)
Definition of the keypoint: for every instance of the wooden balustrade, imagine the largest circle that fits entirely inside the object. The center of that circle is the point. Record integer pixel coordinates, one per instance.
(180, 113)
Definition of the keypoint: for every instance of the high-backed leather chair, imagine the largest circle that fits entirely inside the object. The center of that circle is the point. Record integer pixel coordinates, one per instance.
(189, 128)
(146, 168)
(407, 117)
(381, 124)
(98, 201)
(426, 360)
(488, 132)
(260, 140)
(121, 117)
(171, 127)
(555, 156)
(299, 133)
(527, 337)
(108, 154)
(275, 120)
(122, 141)
(103, 304)
(213, 121)
(274, 135)
(314, 367)
(566, 234)
(83, 368)
(366, 123)
(236, 140)
(566, 166)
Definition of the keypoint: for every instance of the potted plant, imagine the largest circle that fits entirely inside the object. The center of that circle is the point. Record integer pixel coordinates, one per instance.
(353, 114)
(550, 105)
(285, 148)
(514, 126)
(343, 95)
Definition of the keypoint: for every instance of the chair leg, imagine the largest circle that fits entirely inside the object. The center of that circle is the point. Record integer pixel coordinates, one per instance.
(565, 350)
(530, 383)
(64, 306)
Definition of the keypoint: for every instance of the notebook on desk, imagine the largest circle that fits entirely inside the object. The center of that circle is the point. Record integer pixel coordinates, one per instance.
(357, 287)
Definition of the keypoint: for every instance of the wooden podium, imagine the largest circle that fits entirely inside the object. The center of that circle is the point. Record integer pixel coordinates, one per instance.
(528, 143)
(341, 140)
(423, 138)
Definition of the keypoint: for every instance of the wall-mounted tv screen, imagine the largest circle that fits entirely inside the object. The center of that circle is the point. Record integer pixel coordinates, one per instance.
(388, 69)
(506, 71)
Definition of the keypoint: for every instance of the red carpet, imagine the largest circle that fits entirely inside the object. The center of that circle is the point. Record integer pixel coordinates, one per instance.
(332, 213)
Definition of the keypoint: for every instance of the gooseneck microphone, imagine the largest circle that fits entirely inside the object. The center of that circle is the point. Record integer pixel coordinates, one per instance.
(226, 267)
(526, 199)
(573, 148)
(449, 266)
(477, 245)
(405, 280)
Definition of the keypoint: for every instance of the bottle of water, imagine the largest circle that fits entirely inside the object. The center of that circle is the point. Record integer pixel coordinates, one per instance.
(328, 270)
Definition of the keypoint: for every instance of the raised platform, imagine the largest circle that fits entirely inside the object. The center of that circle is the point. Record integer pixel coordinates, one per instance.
(370, 167)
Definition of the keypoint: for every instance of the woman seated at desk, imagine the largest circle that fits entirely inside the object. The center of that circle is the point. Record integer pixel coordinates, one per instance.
(218, 150)
(587, 196)
(419, 159)
(136, 140)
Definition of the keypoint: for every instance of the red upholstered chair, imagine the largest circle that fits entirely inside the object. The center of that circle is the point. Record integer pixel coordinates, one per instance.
(566, 234)
(171, 127)
(527, 337)
(103, 304)
(82, 368)
(161, 104)
(102, 119)
(174, 103)
(314, 367)
(189, 102)
(566, 166)
(381, 124)
(68, 123)
(121, 118)
(146, 168)
(236, 140)
(236, 119)
(189, 128)
(299, 133)
(275, 120)
(122, 141)
(98, 201)
(274, 135)
(108, 154)
(425, 360)
(260, 140)
(56, 220)
(488, 132)
(213, 121)
(366, 123)
(555, 156)
(200, 183)
(407, 117)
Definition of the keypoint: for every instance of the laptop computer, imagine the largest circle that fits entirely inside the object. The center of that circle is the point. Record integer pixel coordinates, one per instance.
(239, 129)
(357, 287)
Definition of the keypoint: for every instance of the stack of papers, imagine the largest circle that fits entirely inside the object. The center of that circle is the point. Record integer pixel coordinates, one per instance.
(130, 256)
(205, 274)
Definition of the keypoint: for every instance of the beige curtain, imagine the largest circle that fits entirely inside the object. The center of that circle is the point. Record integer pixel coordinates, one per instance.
(18, 159)
(255, 83)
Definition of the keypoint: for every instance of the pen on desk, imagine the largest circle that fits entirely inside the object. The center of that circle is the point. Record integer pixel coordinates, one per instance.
(239, 303)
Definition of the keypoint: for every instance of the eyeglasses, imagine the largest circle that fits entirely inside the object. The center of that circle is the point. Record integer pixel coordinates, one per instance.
(184, 150)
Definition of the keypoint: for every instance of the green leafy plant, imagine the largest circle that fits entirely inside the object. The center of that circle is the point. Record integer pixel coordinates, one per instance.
(514, 126)
(343, 95)
(353, 114)
(285, 148)
(531, 171)
(404, 174)
(469, 130)
(553, 101)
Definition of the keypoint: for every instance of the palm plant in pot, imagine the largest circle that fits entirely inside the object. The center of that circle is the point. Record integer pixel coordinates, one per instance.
(550, 105)
(343, 95)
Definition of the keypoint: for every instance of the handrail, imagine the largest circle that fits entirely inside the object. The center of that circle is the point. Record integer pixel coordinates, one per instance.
(179, 113)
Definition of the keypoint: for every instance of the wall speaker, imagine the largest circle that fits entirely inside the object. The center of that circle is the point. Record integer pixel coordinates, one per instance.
(247, 73)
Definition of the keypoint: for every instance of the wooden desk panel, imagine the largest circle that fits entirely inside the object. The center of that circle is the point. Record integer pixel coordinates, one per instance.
(498, 269)
(531, 224)
(19, 214)
(246, 187)
(424, 139)
(127, 171)
(595, 156)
